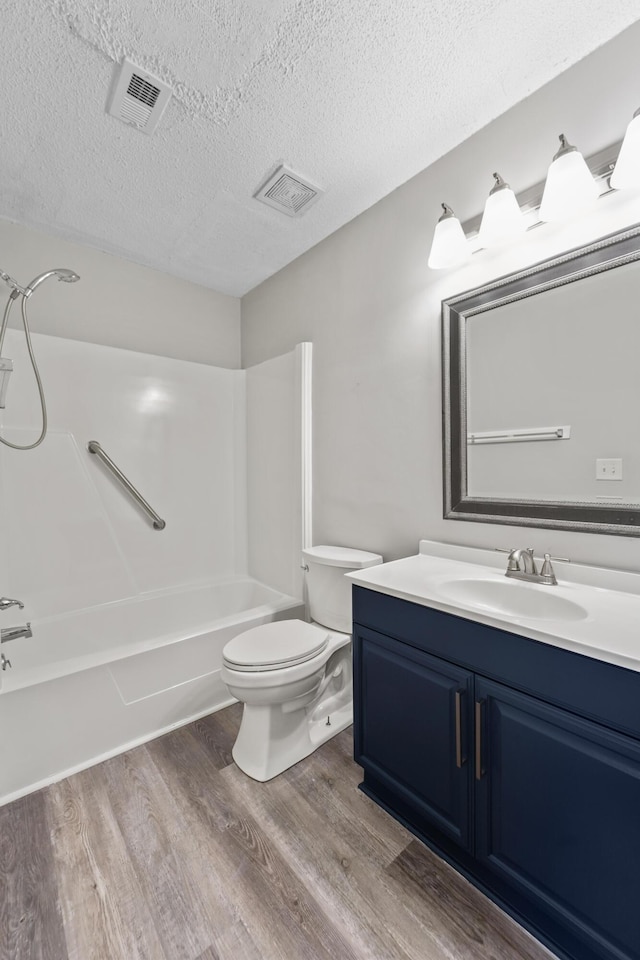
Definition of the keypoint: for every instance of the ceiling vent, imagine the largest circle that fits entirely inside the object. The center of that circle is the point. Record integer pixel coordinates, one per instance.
(139, 98)
(288, 192)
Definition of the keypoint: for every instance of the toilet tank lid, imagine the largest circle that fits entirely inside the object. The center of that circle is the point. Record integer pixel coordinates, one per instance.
(341, 557)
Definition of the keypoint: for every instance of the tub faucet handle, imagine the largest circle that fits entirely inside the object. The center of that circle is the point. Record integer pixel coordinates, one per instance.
(6, 602)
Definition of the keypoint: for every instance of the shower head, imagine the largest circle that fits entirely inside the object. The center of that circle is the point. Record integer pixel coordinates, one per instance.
(67, 276)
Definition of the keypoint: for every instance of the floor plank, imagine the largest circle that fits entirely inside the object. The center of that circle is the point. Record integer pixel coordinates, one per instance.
(281, 914)
(218, 733)
(167, 858)
(337, 868)
(463, 921)
(169, 852)
(103, 906)
(329, 781)
(31, 925)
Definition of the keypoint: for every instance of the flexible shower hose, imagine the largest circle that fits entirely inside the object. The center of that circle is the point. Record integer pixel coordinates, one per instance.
(36, 372)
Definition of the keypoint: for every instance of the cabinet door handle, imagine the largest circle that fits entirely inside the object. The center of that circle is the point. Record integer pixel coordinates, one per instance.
(459, 758)
(479, 768)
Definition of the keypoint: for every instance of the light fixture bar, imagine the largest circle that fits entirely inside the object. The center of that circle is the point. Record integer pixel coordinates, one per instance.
(518, 436)
(600, 164)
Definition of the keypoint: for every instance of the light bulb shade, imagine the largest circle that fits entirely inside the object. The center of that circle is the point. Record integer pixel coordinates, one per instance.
(627, 169)
(502, 218)
(569, 189)
(449, 247)
(6, 366)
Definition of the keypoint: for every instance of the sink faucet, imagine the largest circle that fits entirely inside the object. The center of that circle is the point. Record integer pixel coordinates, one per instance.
(5, 603)
(13, 633)
(521, 565)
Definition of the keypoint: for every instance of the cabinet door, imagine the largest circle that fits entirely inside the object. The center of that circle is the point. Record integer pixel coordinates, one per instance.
(412, 722)
(558, 816)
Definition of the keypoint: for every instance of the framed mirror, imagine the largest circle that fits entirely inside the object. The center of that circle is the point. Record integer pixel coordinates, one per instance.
(541, 393)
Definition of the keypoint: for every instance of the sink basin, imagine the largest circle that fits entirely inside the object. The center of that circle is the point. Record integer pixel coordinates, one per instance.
(531, 601)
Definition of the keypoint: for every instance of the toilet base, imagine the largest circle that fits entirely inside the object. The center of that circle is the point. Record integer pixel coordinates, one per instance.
(272, 739)
(262, 755)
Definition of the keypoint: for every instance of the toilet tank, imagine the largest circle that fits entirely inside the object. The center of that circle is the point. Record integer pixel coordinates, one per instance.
(328, 589)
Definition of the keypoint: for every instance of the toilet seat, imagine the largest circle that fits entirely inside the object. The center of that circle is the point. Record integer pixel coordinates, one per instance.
(273, 646)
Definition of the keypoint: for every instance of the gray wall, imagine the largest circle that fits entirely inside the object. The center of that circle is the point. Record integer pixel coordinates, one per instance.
(367, 300)
(118, 303)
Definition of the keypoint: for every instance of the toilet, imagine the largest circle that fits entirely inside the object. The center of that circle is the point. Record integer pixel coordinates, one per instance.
(294, 678)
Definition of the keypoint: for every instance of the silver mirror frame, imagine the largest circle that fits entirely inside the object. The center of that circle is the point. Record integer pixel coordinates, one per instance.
(608, 253)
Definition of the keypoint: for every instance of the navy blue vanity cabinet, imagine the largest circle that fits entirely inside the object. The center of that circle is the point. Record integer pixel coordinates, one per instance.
(539, 768)
(417, 744)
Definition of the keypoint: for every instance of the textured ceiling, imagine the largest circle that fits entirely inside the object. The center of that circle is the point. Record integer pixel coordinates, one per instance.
(357, 95)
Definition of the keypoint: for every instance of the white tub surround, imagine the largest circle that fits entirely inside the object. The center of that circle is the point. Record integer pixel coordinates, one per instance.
(279, 468)
(71, 536)
(98, 681)
(591, 611)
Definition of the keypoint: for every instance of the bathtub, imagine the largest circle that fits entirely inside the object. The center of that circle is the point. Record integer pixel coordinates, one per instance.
(92, 683)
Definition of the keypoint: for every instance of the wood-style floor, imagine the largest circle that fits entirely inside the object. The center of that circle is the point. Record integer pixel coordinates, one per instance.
(169, 852)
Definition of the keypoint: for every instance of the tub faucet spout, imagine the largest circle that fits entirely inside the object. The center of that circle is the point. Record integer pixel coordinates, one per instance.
(14, 633)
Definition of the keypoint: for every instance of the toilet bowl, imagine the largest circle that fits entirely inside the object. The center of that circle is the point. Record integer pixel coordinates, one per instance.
(290, 706)
(295, 678)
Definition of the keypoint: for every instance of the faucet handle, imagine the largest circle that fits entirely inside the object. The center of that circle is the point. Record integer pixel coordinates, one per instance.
(547, 570)
(6, 602)
(512, 563)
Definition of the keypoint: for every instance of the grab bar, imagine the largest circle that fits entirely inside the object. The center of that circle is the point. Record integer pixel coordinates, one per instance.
(94, 447)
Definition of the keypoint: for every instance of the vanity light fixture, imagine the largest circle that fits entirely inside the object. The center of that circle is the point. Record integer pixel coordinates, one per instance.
(449, 247)
(572, 185)
(569, 188)
(627, 169)
(502, 219)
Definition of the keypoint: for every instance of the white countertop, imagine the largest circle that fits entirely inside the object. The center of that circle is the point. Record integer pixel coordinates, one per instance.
(609, 631)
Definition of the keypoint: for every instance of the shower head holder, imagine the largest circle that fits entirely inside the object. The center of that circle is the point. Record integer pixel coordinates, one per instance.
(6, 368)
